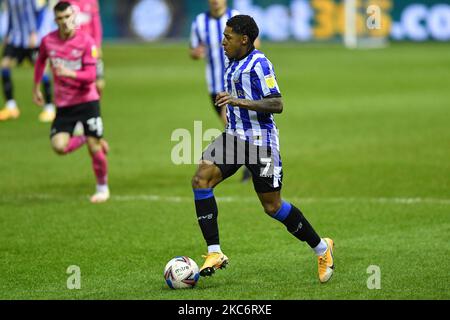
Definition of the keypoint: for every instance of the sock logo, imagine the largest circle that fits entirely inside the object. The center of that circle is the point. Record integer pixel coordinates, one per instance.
(207, 217)
(300, 225)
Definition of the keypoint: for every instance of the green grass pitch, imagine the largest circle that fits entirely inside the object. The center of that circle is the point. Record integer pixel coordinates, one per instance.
(365, 141)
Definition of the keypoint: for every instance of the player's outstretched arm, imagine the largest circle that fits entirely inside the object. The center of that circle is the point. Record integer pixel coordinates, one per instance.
(267, 105)
(38, 98)
(198, 52)
(39, 70)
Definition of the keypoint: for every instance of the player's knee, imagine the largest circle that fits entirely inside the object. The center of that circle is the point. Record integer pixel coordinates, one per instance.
(204, 176)
(59, 148)
(6, 64)
(199, 182)
(271, 208)
(94, 145)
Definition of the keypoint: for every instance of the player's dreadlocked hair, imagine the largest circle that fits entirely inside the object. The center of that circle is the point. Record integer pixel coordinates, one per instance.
(61, 6)
(244, 25)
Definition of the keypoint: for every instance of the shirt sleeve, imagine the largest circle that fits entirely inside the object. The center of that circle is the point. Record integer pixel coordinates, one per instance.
(88, 73)
(195, 35)
(266, 79)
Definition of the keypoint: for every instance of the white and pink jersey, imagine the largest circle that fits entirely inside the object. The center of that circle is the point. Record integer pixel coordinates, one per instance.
(88, 18)
(79, 54)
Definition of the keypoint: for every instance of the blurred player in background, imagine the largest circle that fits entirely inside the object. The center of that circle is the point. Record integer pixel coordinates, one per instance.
(73, 56)
(22, 42)
(206, 43)
(88, 20)
(252, 96)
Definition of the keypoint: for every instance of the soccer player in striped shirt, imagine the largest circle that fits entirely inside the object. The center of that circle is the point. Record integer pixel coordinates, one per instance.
(72, 54)
(22, 42)
(206, 43)
(251, 138)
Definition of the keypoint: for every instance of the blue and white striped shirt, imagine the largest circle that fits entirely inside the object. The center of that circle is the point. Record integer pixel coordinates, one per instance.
(208, 31)
(23, 19)
(252, 78)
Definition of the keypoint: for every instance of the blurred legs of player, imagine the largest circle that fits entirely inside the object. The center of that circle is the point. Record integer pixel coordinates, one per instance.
(48, 112)
(11, 57)
(64, 142)
(212, 170)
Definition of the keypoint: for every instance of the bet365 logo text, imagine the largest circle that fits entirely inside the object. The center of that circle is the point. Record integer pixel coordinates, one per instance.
(190, 146)
(374, 17)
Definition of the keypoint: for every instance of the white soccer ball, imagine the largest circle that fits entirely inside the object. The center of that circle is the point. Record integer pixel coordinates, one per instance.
(181, 273)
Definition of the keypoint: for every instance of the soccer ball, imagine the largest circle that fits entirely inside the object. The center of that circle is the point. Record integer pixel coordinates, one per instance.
(181, 273)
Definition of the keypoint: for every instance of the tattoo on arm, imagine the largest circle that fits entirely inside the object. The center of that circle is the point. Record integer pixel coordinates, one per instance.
(269, 105)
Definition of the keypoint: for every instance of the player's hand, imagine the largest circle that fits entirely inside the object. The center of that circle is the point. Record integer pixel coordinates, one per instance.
(38, 98)
(199, 52)
(62, 71)
(224, 98)
(33, 40)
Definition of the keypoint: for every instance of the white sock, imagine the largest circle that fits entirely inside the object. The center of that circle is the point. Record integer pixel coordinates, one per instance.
(321, 248)
(102, 188)
(49, 107)
(214, 248)
(11, 104)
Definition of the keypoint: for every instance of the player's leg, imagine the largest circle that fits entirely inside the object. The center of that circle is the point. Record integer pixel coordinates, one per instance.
(63, 143)
(205, 179)
(100, 167)
(48, 113)
(222, 113)
(93, 129)
(266, 168)
(62, 140)
(11, 110)
(211, 171)
(299, 226)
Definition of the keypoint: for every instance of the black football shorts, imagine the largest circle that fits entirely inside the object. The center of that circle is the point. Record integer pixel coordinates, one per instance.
(87, 113)
(228, 152)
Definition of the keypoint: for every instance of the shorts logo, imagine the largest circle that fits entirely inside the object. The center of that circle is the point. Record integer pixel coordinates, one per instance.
(300, 226)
